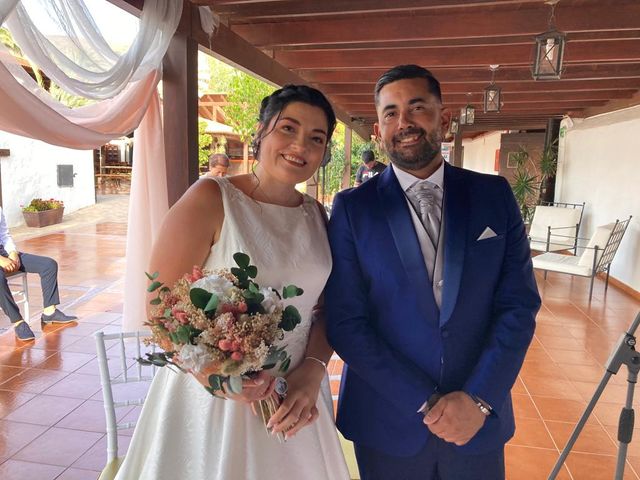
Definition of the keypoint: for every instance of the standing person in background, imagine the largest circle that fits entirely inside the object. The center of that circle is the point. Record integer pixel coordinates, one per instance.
(218, 165)
(433, 327)
(370, 168)
(12, 261)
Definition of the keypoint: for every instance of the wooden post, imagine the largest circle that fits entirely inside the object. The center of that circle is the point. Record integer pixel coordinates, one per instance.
(245, 158)
(346, 172)
(457, 148)
(180, 109)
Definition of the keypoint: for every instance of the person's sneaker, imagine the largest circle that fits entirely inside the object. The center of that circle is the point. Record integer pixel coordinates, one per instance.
(23, 331)
(56, 317)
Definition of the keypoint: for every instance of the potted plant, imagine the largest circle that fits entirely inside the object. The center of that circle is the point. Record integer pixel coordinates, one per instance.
(40, 213)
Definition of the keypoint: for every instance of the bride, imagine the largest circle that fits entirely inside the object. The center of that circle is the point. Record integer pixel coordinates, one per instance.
(183, 431)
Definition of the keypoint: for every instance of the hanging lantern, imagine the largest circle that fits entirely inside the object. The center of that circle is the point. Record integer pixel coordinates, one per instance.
(492, 94)
(453, 126)
(468, 112)
(549, 51)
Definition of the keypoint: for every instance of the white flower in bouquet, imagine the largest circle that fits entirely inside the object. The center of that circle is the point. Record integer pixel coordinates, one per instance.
(215, 284)
(194, 357)
(271, 299)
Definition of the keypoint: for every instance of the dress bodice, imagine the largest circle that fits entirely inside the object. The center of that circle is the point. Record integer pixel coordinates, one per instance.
(288, 245)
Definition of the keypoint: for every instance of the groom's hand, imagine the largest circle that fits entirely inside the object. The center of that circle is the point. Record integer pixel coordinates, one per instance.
(455, 418)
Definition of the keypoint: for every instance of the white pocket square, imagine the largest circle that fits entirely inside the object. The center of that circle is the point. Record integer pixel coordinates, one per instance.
(488, 233)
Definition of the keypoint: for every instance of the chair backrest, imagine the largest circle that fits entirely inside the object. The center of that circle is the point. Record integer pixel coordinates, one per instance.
(607, 238)
(554, 217)
(121, 358)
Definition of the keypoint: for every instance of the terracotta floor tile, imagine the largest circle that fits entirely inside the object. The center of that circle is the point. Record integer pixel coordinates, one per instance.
(96, 457)
(564, 343)
(612, 393)
(592, 439)
(561, 409)
(595, 467)
(572, 357)
(33, 380)
(538, 385)
(633, 448)
(44, 410)
(83, 345)
(523, 406)
(14, 436)
(55, 341)
(58, 446)
(25, 358)
(528, 463)
(75, 385)
(83, 328)
(583, 373)
(10, 400)
(103, 318)
(90, 417)
(78, 474)
(66, 361)
(7, 372)
(608, 413)
(531, 432)
(17, 470)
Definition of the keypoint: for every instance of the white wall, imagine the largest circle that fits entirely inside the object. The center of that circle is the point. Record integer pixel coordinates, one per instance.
(480, 153)
(31, 171)
(599, 163)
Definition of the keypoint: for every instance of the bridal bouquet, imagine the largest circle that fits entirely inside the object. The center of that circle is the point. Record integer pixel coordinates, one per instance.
(223, 326)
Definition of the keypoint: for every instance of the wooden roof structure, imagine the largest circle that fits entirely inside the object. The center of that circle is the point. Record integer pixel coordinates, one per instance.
(343, 46)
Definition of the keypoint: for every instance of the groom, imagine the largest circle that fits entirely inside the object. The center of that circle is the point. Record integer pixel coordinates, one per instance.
(434, 327)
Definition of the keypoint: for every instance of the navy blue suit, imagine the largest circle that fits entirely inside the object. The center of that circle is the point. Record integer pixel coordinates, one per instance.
(382, 319)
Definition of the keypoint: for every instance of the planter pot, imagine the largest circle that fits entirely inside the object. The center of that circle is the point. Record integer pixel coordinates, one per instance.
(44, 218)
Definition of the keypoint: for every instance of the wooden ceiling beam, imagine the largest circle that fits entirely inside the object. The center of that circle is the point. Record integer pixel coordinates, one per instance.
(612, 85)
(480, 74)
(260, 10)
(462, 42)
(495, 22)
(511, 97)
(586, 52)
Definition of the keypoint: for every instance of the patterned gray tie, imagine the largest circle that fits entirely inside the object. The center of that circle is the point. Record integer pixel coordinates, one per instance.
(426, 198)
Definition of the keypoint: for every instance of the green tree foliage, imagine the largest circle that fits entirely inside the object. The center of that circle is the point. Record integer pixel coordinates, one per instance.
(335, 168)
(204, 144)
(244, 97)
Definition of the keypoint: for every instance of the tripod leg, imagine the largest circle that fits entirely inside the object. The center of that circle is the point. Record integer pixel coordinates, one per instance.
(625, 425)
(579, 426)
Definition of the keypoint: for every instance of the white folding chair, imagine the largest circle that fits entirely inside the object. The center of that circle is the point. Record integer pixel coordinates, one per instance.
(595, 258)
(555, 227)
(20, 291)
(127, 347)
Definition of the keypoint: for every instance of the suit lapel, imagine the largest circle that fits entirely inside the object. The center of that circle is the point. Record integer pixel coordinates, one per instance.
(456, 208)
(395, 207)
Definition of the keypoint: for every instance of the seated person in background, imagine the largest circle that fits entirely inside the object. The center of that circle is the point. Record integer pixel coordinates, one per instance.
(370, 168)
(218, 165)
(12, 261)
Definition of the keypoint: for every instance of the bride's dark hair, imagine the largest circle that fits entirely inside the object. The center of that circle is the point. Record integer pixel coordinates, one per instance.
(273, 105)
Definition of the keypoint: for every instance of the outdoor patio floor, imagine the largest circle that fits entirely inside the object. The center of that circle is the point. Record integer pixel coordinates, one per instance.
(51, 414)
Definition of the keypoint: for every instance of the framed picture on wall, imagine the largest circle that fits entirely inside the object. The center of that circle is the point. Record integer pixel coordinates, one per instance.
(512, 160)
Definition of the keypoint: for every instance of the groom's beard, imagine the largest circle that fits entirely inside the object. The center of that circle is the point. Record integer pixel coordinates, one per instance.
(423, 155)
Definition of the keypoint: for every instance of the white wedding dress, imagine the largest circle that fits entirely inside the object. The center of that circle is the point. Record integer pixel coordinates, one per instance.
(186, 433)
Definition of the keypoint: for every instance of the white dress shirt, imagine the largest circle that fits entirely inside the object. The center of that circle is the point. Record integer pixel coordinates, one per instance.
(5, 239)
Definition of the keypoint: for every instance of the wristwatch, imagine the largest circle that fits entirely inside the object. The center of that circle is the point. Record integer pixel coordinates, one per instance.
(484, 407)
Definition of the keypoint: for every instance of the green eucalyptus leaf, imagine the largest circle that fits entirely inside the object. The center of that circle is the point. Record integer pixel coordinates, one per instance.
(152, 276)
(165, 289)
(285, 365)
(252, 271)
(215, 381)
(235, 385)
(200, 297)
(290, 318)
(212, 304)
(253, 288)
(154, 286)
(242, 259)
(155, 301)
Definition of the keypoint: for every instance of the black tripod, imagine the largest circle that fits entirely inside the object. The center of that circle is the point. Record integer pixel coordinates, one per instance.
(624, 353)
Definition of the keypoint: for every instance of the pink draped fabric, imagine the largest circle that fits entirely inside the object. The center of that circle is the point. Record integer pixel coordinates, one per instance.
(147, 206)
(138, 106)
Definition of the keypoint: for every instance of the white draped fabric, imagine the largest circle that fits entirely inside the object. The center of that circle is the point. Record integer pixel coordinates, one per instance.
(126, 87)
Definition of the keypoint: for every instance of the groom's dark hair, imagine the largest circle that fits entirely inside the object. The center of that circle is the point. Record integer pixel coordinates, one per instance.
(403, 72)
